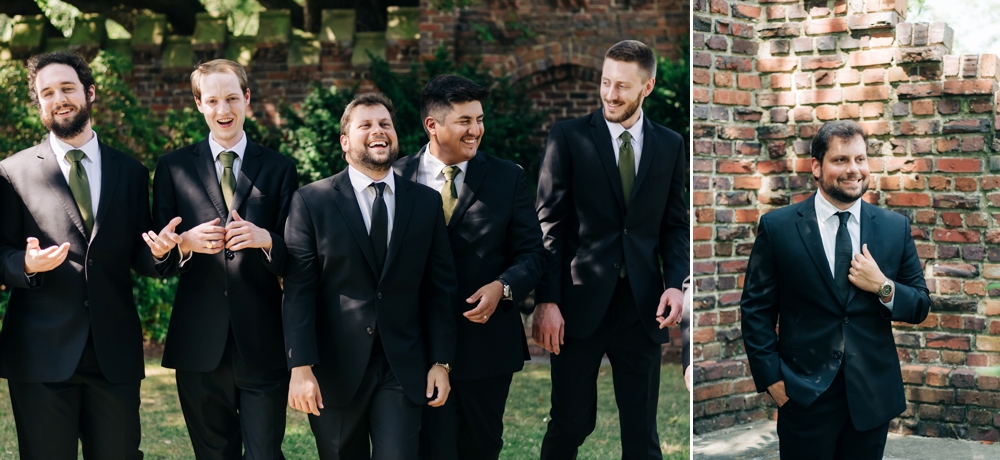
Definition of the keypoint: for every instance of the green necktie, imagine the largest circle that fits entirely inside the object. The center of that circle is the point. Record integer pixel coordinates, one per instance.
(626, 166)
(449, 193)
(228, 178)
(626, 170)
(79, 185)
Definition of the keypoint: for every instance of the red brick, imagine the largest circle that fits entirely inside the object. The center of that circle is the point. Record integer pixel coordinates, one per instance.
(746, 183)
(937, 376)
(748, 81)
(781, 81)
(826, 26)
(956, 236)
(873, 76)
(726, 97)
(870, 58)
(822, 62)
(919, 200)
(826, 112)
(969, 87)
(701, 77)
(866, 93)
(723, 79)
(968, 165)
(848, 76)
(746, 11)
(850, 111)
(776, 64)
(923, 107)
(820, 96)
(872, 109)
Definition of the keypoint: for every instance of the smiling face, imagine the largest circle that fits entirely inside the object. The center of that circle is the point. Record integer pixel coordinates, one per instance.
(370, 143)
(843, 174)
(63, 103)
(623, 88)
(457, 137)
(224, 106)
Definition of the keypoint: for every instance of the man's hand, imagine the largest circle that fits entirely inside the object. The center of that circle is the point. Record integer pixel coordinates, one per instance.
(242, 234)
(206, 238)
(548, 327)
(437, 377)
(674, 299)
(161, 244)
(864, 272)
(303, 391)
(777, 392)
(488, 296)
(38, 260)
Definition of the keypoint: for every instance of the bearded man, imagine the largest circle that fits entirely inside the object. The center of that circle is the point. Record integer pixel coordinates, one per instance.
(833, 272)
(613, 212)
(367, 311)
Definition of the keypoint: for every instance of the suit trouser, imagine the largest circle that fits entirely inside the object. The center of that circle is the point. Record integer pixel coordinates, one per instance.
(104, 416)
(379, 413)
(470, 424)
(824, 430)
(233, 408)
(635, 365)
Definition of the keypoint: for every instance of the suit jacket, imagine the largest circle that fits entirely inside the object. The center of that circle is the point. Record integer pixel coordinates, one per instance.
(335, 301)
(50, 316)
(493, 233)
(819, 333)
(589, 234)
(237, 290)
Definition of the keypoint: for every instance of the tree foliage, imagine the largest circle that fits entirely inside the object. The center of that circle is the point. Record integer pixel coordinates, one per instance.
(670, 102)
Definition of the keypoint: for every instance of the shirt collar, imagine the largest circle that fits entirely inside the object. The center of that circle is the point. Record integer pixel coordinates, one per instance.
(617, 129)
(360, 181)
(825, 210)
(239, 149)
(91, 149)
(432, 164)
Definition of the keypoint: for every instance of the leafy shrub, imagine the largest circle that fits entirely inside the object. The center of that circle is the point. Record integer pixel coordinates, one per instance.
(669, 103)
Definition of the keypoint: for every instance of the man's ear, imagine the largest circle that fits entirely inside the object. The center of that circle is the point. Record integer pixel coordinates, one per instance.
(343, 143)
(430, 124)
(92, 93)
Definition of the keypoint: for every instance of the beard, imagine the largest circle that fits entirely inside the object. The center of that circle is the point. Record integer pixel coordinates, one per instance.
(69, 128)
(630, 108)
(371, 161)
(833, 189)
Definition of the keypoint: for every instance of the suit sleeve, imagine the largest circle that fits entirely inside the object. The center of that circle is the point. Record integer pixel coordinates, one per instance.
(911, 302)
(298, 306)
(437, 294)
(675, 232)
(523, 245)
(142, 256)
(553, 208)
(759, 312)
(165, 209)
(12, 238)
(279, 252)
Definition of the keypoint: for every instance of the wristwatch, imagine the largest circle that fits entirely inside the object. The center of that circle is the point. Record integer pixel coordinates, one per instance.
(886, 288)
(507, 294)
(446, 366)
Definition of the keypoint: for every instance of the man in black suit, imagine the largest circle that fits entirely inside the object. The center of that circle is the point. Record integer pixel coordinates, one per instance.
(847, 270)
(225, 337)
(368, 297)
(71, 345)
(613, 212)
(497, 245)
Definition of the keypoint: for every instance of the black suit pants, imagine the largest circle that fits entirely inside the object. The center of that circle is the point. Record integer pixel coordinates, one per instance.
(635, 364)
(232, 412)
(470, 424)
(104, 416)
(380, 413)
(823, 431)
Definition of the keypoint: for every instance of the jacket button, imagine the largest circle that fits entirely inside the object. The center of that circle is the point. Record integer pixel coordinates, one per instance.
(618, 265)
(225, 293)
(837, 354)
(86, 303)
(90, 262)
(369, 330)
(847, 320)
(379, 295)
(626, 231)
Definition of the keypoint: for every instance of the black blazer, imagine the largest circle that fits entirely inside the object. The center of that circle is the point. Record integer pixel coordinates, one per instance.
(49, 317)
(493, 233)
(789, 284)
(589, 234)
(334, 301)
(229, 289)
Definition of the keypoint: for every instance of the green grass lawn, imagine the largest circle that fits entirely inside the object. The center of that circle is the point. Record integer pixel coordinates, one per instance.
(165, 436)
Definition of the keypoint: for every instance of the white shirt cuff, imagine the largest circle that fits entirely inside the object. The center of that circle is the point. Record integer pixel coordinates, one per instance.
(184, 258)
(891, 299)
(267, 253)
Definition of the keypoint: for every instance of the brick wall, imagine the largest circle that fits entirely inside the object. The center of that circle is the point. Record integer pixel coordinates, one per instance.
(766, 76)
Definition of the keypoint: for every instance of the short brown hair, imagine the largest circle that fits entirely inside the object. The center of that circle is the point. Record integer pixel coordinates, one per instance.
(634, 51)
(845, 130)
(367, 100)
(218, 66)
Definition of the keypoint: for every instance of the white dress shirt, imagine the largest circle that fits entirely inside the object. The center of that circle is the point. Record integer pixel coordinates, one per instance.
(829, 223)
(91, 163)
(366, 197)
(636, 131)
(431, 172)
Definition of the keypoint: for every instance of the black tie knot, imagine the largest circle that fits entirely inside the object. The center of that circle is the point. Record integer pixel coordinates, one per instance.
(844, 216)
(379, 188)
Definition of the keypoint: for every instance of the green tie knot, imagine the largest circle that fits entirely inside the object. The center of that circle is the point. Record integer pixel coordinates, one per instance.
(626, 137)
(227, 159)
(450, 172)
(74, 156)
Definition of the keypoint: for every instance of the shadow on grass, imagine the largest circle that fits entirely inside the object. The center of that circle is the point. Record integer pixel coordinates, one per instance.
(165, 435)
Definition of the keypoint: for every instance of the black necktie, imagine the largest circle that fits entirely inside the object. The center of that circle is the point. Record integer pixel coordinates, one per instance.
(379, 232)
(842, 257)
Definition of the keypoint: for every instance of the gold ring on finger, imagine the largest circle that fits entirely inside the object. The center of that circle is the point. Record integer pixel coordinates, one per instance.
(209, 245)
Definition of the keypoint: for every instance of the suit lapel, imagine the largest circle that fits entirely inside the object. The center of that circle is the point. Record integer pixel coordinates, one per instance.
(606, 152)
(249, 168)
(809, 232)
(648, 150)
(204, 163)
(404, 206)
(347, 202)
(869, 236)
(57, 183)
(109, 179)
(474, 174)
(411, 166)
